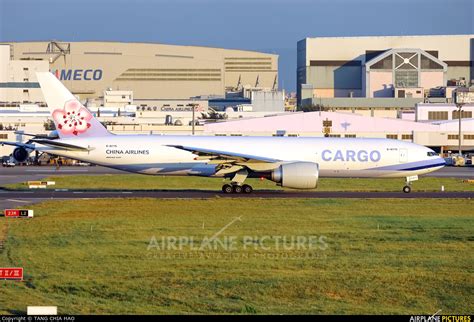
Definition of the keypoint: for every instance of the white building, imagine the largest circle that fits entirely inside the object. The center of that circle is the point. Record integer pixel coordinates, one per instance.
(381, 66)
(441, 112)
(18, 83)
(442, 135)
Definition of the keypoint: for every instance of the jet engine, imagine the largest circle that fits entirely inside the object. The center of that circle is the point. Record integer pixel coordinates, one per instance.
(297, 175)
(20, 154)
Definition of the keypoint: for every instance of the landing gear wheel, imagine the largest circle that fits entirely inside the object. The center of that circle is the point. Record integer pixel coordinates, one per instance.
(237, 189)
(227, 188)
(406, 189)
(247, 189)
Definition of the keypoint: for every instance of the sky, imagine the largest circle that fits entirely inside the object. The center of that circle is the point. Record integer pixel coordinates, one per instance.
(273, 26)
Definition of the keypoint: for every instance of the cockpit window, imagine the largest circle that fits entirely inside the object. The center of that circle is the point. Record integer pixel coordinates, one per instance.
(432, 154)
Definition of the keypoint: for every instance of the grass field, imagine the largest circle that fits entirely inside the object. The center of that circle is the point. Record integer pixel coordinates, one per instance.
(141, 182)
(381, 256)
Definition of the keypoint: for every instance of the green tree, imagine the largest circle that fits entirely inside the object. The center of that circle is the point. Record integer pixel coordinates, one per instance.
(49, 125)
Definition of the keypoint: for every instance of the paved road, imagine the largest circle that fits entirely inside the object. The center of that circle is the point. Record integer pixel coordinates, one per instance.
(66, 170)
(32, 173)
(454, 172)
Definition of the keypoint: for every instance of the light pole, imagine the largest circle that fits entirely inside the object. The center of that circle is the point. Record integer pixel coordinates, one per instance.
(194, 108)
(459, 106)
(459, 96)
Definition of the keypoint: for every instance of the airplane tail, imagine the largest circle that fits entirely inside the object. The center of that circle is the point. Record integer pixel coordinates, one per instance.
(71, 118)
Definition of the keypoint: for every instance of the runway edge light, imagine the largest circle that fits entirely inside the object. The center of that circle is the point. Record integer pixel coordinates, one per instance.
(18, 213)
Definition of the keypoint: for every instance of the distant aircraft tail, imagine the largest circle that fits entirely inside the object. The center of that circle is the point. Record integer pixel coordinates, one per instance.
(71, 118)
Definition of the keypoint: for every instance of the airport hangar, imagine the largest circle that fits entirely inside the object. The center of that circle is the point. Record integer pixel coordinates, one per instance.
(19, 86)
(382, 72)
(152, 71)
(151, 82)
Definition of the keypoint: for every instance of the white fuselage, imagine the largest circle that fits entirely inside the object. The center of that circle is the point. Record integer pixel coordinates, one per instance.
(336, 157)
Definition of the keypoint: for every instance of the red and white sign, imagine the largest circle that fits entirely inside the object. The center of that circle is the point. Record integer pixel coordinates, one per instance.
(11, 273)
(18, 213)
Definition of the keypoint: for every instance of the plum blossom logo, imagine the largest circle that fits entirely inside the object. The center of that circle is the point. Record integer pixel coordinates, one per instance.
(73, 118)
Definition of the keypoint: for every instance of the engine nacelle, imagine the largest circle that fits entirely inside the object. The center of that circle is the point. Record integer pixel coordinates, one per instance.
(53, 135)
(20, 154)
(297, 175)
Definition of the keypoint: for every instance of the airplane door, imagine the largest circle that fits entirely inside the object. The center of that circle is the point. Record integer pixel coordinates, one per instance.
(403, 155)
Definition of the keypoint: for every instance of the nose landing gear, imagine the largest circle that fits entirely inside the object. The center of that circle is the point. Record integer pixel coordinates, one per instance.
(409, 180)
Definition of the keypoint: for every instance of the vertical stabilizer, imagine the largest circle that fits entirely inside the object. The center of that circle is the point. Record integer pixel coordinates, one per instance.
(71, 118)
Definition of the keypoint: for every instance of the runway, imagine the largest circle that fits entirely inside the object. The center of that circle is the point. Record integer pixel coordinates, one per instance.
(10, 199)
(19, 197)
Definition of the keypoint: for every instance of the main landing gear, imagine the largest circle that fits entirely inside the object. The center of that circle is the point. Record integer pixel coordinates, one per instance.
(237, 184)
(409, 180)
(236, 188)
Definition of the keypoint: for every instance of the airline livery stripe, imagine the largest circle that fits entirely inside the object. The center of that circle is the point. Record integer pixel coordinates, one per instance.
(424, 167)
(412, 165)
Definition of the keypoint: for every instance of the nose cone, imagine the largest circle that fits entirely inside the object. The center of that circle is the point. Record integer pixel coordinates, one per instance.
(441, 161)
(437, 163)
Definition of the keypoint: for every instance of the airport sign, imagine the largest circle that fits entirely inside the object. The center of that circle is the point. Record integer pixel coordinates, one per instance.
(18, 213)
(463, 96)
(40, 184)
(11, 273)
(45, 310)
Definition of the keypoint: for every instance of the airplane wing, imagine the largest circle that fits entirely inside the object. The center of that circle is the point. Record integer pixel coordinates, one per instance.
(50, 143)
(230, 162)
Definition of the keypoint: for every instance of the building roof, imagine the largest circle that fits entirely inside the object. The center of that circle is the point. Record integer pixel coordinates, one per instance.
(367, 102)
(124, 43)
(313, 122)
(389, 36)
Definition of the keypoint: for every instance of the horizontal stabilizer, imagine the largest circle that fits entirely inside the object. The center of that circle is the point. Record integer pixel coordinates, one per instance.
(61, 145)
(42, 136)
(18, 144)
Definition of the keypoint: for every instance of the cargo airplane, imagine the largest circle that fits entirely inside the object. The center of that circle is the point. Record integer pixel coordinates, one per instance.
(293, 162)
